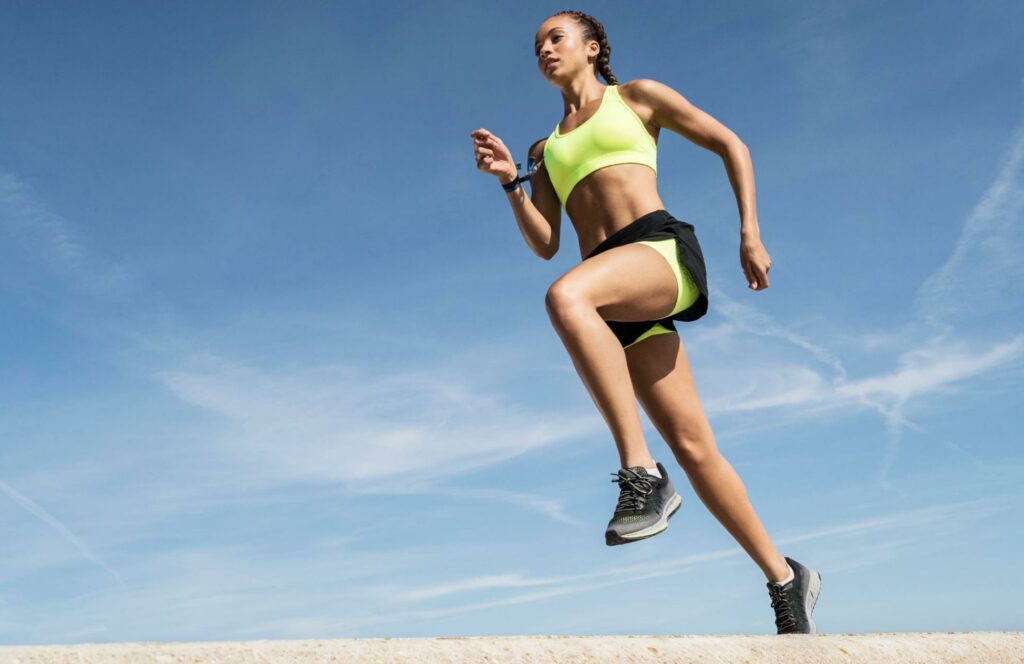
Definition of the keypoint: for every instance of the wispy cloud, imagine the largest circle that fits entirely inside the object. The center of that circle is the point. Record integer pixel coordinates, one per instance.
(37, 511)
(477, 583)
(550, 507)
(45, 235)
(985, 271)
(917, 524)
(937, 364)
(401, 430)
(792, 390)
(751, 320)
(934, 367)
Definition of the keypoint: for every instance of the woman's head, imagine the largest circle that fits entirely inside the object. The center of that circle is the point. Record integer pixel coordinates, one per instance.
(577, 42)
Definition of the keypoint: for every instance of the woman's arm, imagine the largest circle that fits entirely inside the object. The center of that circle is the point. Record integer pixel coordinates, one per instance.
(538, 216)
(543, 197)
(670, 109)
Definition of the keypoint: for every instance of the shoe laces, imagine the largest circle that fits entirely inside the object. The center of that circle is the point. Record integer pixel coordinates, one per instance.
(633, 491)
(785, 619)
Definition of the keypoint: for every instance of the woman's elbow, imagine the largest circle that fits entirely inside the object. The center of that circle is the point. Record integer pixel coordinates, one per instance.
(548, 252)
(733, 145)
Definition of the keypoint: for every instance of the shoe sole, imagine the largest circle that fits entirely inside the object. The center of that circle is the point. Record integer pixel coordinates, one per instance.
(811, 598)
(674, 503)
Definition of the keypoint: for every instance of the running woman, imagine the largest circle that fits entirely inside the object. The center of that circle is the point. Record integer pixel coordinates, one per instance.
(641, 270)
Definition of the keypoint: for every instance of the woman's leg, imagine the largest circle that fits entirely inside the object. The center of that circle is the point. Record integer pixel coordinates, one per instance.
(662, 380)
(627, 283)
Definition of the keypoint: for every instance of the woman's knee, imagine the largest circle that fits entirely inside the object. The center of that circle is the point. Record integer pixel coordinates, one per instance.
(563, 297)
(693, 448)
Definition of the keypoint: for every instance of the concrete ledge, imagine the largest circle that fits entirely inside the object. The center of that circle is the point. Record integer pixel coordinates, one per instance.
(901, 647)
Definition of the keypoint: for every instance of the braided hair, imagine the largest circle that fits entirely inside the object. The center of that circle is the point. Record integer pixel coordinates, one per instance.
(593, 30)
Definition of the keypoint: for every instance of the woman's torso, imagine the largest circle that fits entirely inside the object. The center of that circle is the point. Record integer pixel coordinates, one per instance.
(606, 164)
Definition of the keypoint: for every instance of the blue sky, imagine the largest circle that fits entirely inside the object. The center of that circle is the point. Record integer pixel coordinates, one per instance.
(274, 359)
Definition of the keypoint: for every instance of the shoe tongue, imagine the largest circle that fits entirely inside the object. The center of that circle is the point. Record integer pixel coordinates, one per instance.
(638, 470)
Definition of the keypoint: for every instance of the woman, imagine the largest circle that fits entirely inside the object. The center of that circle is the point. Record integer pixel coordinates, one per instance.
(642, 269)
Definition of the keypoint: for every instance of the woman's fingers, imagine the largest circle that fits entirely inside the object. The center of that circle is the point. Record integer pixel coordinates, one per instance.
(490, 140)
(762, 268)
(497, 148)
(755, 262)
(760, 276)
(746, 272)
(487, 144)
(482, 135)
(484, 156)
(492, 156)
(489, 154)
(483, 146)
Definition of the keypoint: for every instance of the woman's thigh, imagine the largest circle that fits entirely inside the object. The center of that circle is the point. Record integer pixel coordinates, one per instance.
(664, 385)
(628, 283)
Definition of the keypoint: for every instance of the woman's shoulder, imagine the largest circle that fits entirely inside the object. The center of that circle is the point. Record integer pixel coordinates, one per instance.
(640, 89)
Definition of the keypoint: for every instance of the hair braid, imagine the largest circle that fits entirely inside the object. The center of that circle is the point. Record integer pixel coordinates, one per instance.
(592, 29)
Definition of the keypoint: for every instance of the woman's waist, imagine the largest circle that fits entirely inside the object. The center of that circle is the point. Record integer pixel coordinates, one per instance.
(598, 213)
(655, 223)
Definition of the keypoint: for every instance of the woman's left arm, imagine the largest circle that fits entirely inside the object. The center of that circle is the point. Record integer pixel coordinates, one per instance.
(671, 110)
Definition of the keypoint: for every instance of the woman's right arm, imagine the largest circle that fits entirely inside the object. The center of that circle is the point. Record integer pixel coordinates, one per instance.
(539, 216)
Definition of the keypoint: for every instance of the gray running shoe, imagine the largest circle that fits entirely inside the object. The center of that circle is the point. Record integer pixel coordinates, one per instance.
(793, 602)
(645, 504)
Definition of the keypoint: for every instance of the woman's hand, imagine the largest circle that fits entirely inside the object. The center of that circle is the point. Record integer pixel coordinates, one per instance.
(493, 157)
(756, 262)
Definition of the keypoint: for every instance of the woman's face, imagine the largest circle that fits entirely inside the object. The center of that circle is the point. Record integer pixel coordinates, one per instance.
(560, 49)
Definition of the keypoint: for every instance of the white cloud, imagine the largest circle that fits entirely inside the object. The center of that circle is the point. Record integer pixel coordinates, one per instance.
(550, 507)
(937, 364)
(376, 433)
(982, 275)
(55, 240)
(37, 511)
(745, 376)
(477, 583)
(751, 320)
(985, 272)
(852, 539)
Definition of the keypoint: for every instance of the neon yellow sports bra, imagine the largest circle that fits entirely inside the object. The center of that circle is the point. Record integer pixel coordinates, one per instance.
(614, 134)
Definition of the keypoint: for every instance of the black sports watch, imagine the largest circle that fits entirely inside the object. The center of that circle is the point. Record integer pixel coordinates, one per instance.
(530, 169)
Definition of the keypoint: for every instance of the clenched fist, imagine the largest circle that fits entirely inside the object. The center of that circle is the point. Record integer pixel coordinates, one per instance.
(493, 157)
(756, 262)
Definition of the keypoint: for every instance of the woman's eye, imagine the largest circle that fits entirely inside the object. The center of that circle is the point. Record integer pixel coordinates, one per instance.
(554, 39)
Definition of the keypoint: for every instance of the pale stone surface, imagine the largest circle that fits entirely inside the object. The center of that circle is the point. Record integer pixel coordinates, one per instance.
(902, 647)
